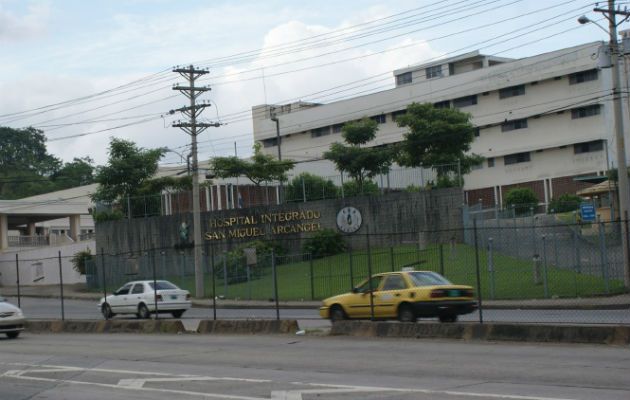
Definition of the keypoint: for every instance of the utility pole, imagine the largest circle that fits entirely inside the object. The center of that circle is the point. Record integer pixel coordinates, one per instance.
(194, 128)
(274, 118)
(622, 169)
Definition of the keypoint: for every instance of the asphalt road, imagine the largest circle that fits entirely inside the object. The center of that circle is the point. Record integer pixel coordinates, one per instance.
(193, 366)
(41, 308)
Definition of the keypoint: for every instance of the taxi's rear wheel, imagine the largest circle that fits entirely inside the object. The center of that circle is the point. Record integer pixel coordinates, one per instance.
(406, 313)
(448, 318)
(337, 313)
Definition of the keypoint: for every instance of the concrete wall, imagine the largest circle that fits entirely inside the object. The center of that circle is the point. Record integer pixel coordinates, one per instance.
(388, 216)
(40, 266)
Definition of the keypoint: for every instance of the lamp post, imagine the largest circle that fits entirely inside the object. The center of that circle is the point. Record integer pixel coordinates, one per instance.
(622, 169)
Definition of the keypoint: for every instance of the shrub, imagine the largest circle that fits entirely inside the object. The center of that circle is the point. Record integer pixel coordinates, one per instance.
(353, 188)
(315, 188)
(79, 260)
(237, 263)
(326, 242)
(521, 199)
(565, 203)
(102, 216)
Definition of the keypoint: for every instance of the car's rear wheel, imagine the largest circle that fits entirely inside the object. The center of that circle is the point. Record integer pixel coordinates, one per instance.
(178, 313)
(143, 312)
(106, 310)
(337, 313)
(448, 318)
(13, 335)
(406, 313)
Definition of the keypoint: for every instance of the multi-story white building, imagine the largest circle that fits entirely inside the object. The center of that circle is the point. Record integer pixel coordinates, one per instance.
(544, 122)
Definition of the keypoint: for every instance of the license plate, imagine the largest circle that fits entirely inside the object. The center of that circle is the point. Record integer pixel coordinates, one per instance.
(173, 297)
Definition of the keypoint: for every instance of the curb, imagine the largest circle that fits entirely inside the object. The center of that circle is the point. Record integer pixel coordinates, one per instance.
(87, 326)
(610, 335)
(285, 326)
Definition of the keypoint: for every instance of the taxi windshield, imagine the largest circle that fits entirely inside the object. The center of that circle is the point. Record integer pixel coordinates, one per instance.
(428, 279)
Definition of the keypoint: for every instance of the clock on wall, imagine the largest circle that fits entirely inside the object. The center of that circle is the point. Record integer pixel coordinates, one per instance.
(349, 219)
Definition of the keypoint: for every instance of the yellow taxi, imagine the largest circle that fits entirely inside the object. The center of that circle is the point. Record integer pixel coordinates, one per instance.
(404, 295)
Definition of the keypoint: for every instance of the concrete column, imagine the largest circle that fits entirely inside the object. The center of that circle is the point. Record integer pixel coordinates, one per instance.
(75, 227)
(4, 232)
(30, 229)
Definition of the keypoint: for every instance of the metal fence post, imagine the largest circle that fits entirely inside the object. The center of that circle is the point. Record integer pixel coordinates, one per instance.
(225, 275)
(391, 257)
(544, 253)
(442, 259)
(17, 274)
(214, 284)
(351, 268)
(303, 190)
(63, 311)
(275, 283)
(249, 280)
(603, 258)
(369, 265)
(310, 267)
(479, 297)
(104, 285)
(155, 288)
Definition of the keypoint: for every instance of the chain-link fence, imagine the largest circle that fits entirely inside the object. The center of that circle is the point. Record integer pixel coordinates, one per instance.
(523, 269)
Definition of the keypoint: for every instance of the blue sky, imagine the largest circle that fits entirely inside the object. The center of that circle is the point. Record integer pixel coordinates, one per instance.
(54, 51)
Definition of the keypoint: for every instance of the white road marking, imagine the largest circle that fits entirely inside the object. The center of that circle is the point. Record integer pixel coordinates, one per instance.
(319, 388)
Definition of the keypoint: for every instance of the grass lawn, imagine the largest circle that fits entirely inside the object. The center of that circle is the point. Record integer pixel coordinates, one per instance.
(305, 280)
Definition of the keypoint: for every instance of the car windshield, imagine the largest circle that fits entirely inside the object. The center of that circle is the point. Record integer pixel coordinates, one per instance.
(428, 279)
(163, 285)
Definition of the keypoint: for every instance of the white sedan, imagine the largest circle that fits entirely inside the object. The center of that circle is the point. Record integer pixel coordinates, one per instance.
(11, 319)
(140, 298)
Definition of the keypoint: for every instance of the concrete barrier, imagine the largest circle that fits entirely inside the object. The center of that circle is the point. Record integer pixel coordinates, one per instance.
(111, 326)
(617, 335)
(248, 326)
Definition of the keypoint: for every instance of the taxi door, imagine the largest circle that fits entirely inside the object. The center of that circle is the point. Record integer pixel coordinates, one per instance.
(387, 298)
(357, 305)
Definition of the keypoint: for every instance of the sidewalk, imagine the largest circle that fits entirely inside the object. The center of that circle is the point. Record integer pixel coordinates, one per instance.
(80, 292)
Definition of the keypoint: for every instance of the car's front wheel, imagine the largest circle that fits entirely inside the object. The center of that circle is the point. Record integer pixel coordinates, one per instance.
(337, 313)
(406, 313)
(143, 312)
(106, 310)
(178, 313)
(448, 318)
(13, 335)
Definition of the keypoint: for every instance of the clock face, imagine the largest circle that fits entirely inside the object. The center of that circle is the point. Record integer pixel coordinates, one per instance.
(349, 219)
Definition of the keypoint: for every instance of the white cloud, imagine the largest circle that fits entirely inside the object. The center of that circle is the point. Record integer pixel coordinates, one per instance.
(33, 23)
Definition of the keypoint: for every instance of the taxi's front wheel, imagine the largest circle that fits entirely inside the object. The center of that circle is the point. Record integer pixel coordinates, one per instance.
(406, 314)
(337, 313)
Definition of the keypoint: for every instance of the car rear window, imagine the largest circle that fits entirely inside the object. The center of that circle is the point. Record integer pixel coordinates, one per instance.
(163, 285)
(428, 279)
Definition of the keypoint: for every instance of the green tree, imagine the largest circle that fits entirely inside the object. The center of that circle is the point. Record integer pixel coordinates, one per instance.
(565, 203)
(522, 199)
(360, 162)
(79, 172)
(436, 136)
(353, 188)
(260, 168)
(25, 165)
(313, 186)
(128, 170)
(326, 242)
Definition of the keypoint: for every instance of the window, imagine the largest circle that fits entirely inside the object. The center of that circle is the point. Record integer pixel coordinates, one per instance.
(365, 286)
(337, 128)
(123, 290)
(588, 147)
(428, 279)
(138, 288)
(516, 158)
(394, 282)
(434, 72)
(584, 112)
(584, 76)
(512, 91)
(514, 124)
(317, 132)
(271, 142)
(490, 162)
(379, 118)
(403, 79)
(442, 104)
(163, 285)
(465, 101)
(397, 114)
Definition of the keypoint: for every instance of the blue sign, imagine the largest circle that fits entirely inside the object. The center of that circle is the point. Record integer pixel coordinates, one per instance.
(587, 212)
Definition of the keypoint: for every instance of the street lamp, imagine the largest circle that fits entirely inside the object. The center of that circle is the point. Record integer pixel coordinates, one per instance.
(622, 169)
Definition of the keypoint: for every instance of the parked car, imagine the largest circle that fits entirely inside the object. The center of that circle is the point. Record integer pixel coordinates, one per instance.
(139, 298)
(405, 295)
(11, 319)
